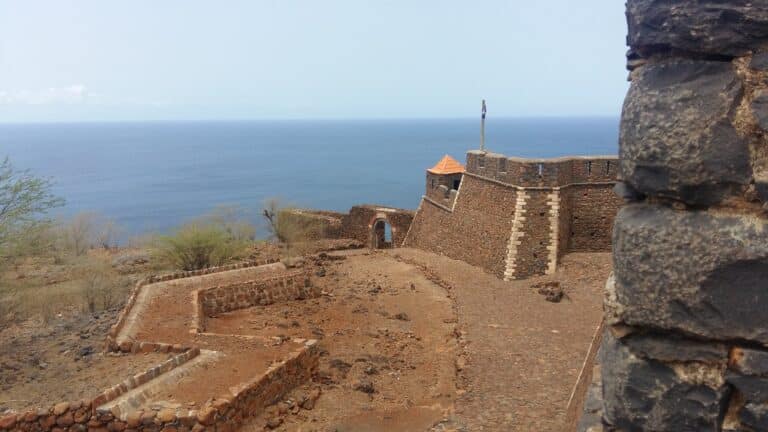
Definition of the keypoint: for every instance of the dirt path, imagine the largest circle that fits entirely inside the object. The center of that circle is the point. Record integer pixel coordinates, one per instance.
(523, 353)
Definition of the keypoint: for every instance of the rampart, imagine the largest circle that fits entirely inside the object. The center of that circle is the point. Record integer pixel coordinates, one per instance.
(516, 217)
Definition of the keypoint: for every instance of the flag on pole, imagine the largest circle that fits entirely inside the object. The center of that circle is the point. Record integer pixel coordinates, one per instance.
(484, 110)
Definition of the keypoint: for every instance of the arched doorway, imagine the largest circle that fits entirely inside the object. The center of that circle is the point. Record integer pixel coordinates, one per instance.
(381, 234)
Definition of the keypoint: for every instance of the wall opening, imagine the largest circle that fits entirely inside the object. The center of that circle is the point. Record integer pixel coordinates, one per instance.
(456, 184)
(381, 234)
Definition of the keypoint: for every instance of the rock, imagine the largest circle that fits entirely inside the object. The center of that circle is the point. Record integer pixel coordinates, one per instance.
(133, 419)
(755, 416)
(66, 419)
(85, 351)
(552, 291)
(364, 385)
(60, 408)
(8, 421)
(320, 272)
(402, 316)
(311, 399)
(167, 415)
(697, 272)
(753, 389)
(206, 415)
(719, 28)
(670, 348)
(649, 395)
(760, 108)
(701, 166)
(759, 61)
(749, 361)
(371, 370)
(274, 422)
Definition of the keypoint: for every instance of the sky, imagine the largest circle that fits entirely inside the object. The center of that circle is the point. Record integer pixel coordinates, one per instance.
(142, 60)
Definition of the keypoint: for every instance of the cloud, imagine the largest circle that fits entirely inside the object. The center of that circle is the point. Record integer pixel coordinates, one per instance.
(72, 94)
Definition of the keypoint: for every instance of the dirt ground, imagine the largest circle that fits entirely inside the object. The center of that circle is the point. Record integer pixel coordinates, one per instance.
(42, 365)
(388, 341)
(410, 341)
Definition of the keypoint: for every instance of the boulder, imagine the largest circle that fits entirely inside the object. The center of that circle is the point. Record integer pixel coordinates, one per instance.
(698, 272)
(676, 138)
(649, 395)
(717, 28)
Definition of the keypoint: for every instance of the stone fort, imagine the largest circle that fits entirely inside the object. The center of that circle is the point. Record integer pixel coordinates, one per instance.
(513, 217)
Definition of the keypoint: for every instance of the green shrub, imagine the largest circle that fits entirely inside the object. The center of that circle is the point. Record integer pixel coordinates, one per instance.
(212, 240)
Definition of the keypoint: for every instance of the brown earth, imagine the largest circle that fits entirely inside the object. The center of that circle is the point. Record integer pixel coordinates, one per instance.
(387, 335)
(518, 354)
(45, 364)
(410, 341)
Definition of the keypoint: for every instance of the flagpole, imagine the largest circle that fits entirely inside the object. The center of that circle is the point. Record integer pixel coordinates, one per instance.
(482, 128)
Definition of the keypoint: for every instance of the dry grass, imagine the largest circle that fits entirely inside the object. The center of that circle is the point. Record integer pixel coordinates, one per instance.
(44, 289)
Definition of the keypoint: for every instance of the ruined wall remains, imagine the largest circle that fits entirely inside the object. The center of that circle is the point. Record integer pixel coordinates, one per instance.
(516, 217)
(358, 224)
(687, 308)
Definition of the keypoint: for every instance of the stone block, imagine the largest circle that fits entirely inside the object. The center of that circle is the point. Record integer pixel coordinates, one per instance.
(717, 28)
(749, 361)
(698, 272)
(649, 395)
(669, 348)
(753, 389)
(677, 139)
(754, 416)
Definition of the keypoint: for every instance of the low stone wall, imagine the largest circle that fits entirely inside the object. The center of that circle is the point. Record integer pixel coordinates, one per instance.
(292, 285)
(111, 342)
(225, 412)
(82, 415)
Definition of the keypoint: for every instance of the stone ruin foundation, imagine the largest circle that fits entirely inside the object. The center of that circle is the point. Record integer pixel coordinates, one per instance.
(685, 348)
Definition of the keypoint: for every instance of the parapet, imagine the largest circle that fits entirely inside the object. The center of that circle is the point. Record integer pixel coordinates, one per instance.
(546, 173)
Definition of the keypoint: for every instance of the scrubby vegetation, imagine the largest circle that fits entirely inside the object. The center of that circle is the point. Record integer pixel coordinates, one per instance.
(293, 233)
(212, 240)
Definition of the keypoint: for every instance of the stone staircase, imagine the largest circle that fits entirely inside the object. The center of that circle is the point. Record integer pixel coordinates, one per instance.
(150, 395)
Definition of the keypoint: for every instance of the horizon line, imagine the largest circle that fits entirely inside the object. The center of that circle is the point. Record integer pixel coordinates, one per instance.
(297, 119)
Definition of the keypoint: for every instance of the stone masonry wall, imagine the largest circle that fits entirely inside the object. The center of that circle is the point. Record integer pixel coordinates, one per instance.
(686, 348)
(293, 285)
(516, 217)
(476, 230)
(358, 223)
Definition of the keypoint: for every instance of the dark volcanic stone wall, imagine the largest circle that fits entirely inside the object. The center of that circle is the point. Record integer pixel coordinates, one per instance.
(687, 308)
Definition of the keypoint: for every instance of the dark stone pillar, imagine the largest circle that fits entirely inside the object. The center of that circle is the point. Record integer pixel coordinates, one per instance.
(686, 348)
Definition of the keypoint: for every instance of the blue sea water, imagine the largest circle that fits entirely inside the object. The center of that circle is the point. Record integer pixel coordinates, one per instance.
(153, 176)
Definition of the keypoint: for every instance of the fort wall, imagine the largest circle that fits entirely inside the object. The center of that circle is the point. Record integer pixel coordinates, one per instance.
(516, 217)
(359, 223)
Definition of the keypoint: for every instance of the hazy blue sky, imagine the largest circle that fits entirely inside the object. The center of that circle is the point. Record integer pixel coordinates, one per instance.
(183, 59)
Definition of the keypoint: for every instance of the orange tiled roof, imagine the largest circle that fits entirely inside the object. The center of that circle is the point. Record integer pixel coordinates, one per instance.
(447, 165)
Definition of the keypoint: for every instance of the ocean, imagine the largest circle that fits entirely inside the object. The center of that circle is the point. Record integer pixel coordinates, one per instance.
(150, 177)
